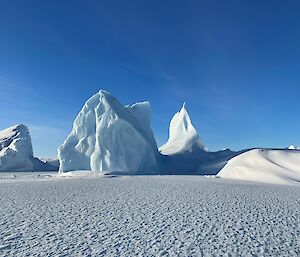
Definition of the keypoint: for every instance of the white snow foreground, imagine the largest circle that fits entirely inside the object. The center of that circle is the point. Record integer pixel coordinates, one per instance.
(110, 138)
(264, 165)
(16, 152)
(147, 216)
(183, 136)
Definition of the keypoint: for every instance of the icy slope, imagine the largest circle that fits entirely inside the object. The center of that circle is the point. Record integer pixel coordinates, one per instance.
(108, 137)
(183, 136)
(263, 165)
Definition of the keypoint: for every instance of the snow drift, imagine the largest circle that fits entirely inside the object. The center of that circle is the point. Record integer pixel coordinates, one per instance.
(264, 165)
(110, 138)
(16, 153)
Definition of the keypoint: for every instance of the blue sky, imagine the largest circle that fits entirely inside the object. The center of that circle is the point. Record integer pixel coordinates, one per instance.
(236, 64)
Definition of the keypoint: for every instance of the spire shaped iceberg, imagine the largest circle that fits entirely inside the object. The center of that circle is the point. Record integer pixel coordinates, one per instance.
(110, 138)
(183, 136)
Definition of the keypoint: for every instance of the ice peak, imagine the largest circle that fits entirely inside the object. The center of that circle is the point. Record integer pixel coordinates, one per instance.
(102, 92)
(12, 131)
(182, 134)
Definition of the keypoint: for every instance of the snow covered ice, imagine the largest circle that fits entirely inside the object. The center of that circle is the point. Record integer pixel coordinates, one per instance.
(184, 153)
(264, 165)
(15, 149)
(109, 137)
(147, 216)
(293, 147)
(183, 137)
(16, 153)
(79, 212)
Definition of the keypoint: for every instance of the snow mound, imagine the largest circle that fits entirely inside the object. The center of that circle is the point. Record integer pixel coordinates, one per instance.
(110, 138)
(16, 149)
(183, 136)
(264, 165)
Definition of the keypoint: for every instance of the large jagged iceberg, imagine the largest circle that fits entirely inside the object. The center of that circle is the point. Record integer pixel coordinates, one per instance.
(183, 136)
(108, 137)
(16, 153)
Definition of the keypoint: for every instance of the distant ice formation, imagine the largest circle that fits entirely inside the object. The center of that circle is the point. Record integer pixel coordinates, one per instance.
(16, 152)
(15, 149)
(183, 137)
(51, 161)
(110, 138)
(293, 147)
(184, 153)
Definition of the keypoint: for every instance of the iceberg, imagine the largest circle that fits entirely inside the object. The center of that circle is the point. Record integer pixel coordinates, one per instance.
(293, 147)
(183, 136)
(184, 153)
(15, 149)
(16, 152)
(108, 137)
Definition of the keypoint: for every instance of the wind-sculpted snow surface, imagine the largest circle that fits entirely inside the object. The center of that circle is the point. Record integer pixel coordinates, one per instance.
(147, 216)
(265, 165)
(108, 137)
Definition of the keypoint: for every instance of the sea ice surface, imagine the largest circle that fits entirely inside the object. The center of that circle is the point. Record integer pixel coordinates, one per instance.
(51, 215)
